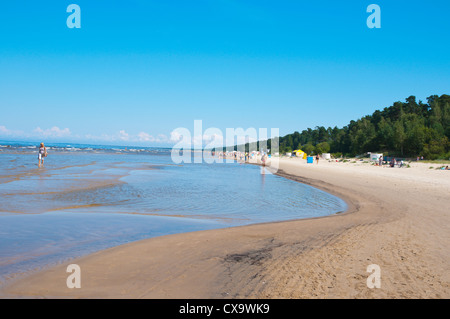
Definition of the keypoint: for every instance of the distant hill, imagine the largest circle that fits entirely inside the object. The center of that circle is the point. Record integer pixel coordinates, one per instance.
(406, 129)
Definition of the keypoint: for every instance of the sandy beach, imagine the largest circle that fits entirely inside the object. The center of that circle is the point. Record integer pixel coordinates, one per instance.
(398, 218)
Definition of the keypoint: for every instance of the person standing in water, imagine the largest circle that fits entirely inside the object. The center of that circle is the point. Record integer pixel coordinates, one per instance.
(263, 160)
(42, 153)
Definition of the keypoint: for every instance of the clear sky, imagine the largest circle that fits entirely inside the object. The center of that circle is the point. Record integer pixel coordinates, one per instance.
(138, 69)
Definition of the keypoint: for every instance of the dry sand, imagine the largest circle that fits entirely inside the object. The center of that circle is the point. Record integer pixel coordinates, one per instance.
(398, 219)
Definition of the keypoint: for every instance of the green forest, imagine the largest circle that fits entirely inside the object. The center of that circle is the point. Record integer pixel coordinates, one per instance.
(405, 129)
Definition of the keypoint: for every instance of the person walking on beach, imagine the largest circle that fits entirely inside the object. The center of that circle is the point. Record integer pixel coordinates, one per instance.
(380, 160)
(264, 159)
(41, 154)
(393, 162)
(317, 158)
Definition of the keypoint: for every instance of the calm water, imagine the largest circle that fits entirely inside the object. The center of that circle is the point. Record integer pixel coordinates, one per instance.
(88, 199)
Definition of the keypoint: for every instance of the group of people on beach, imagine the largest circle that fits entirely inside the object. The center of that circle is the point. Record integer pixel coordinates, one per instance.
(392, 163)
(243, 156)
(395, 162)
(238, 156)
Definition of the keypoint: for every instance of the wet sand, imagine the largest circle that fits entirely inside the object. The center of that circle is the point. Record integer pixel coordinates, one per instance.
(397, 219)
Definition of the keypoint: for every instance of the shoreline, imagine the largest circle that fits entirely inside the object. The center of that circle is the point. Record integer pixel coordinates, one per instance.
(323, 257)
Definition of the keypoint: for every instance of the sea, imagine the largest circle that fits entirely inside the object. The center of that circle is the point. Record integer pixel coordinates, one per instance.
(87, 198)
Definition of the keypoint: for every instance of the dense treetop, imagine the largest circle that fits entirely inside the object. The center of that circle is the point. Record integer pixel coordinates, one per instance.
(405, 129)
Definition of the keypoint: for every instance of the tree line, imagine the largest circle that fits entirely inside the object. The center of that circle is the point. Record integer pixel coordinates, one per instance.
(405, 129)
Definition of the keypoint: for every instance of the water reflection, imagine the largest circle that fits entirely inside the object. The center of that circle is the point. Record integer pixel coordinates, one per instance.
(82, 203)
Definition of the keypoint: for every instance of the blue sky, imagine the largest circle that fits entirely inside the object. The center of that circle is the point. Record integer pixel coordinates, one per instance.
(137, 70)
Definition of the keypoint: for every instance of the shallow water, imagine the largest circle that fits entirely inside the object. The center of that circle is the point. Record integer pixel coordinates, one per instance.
(82, 202)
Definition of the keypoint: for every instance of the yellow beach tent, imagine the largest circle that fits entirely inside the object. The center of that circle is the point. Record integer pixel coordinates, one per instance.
(300, 153)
